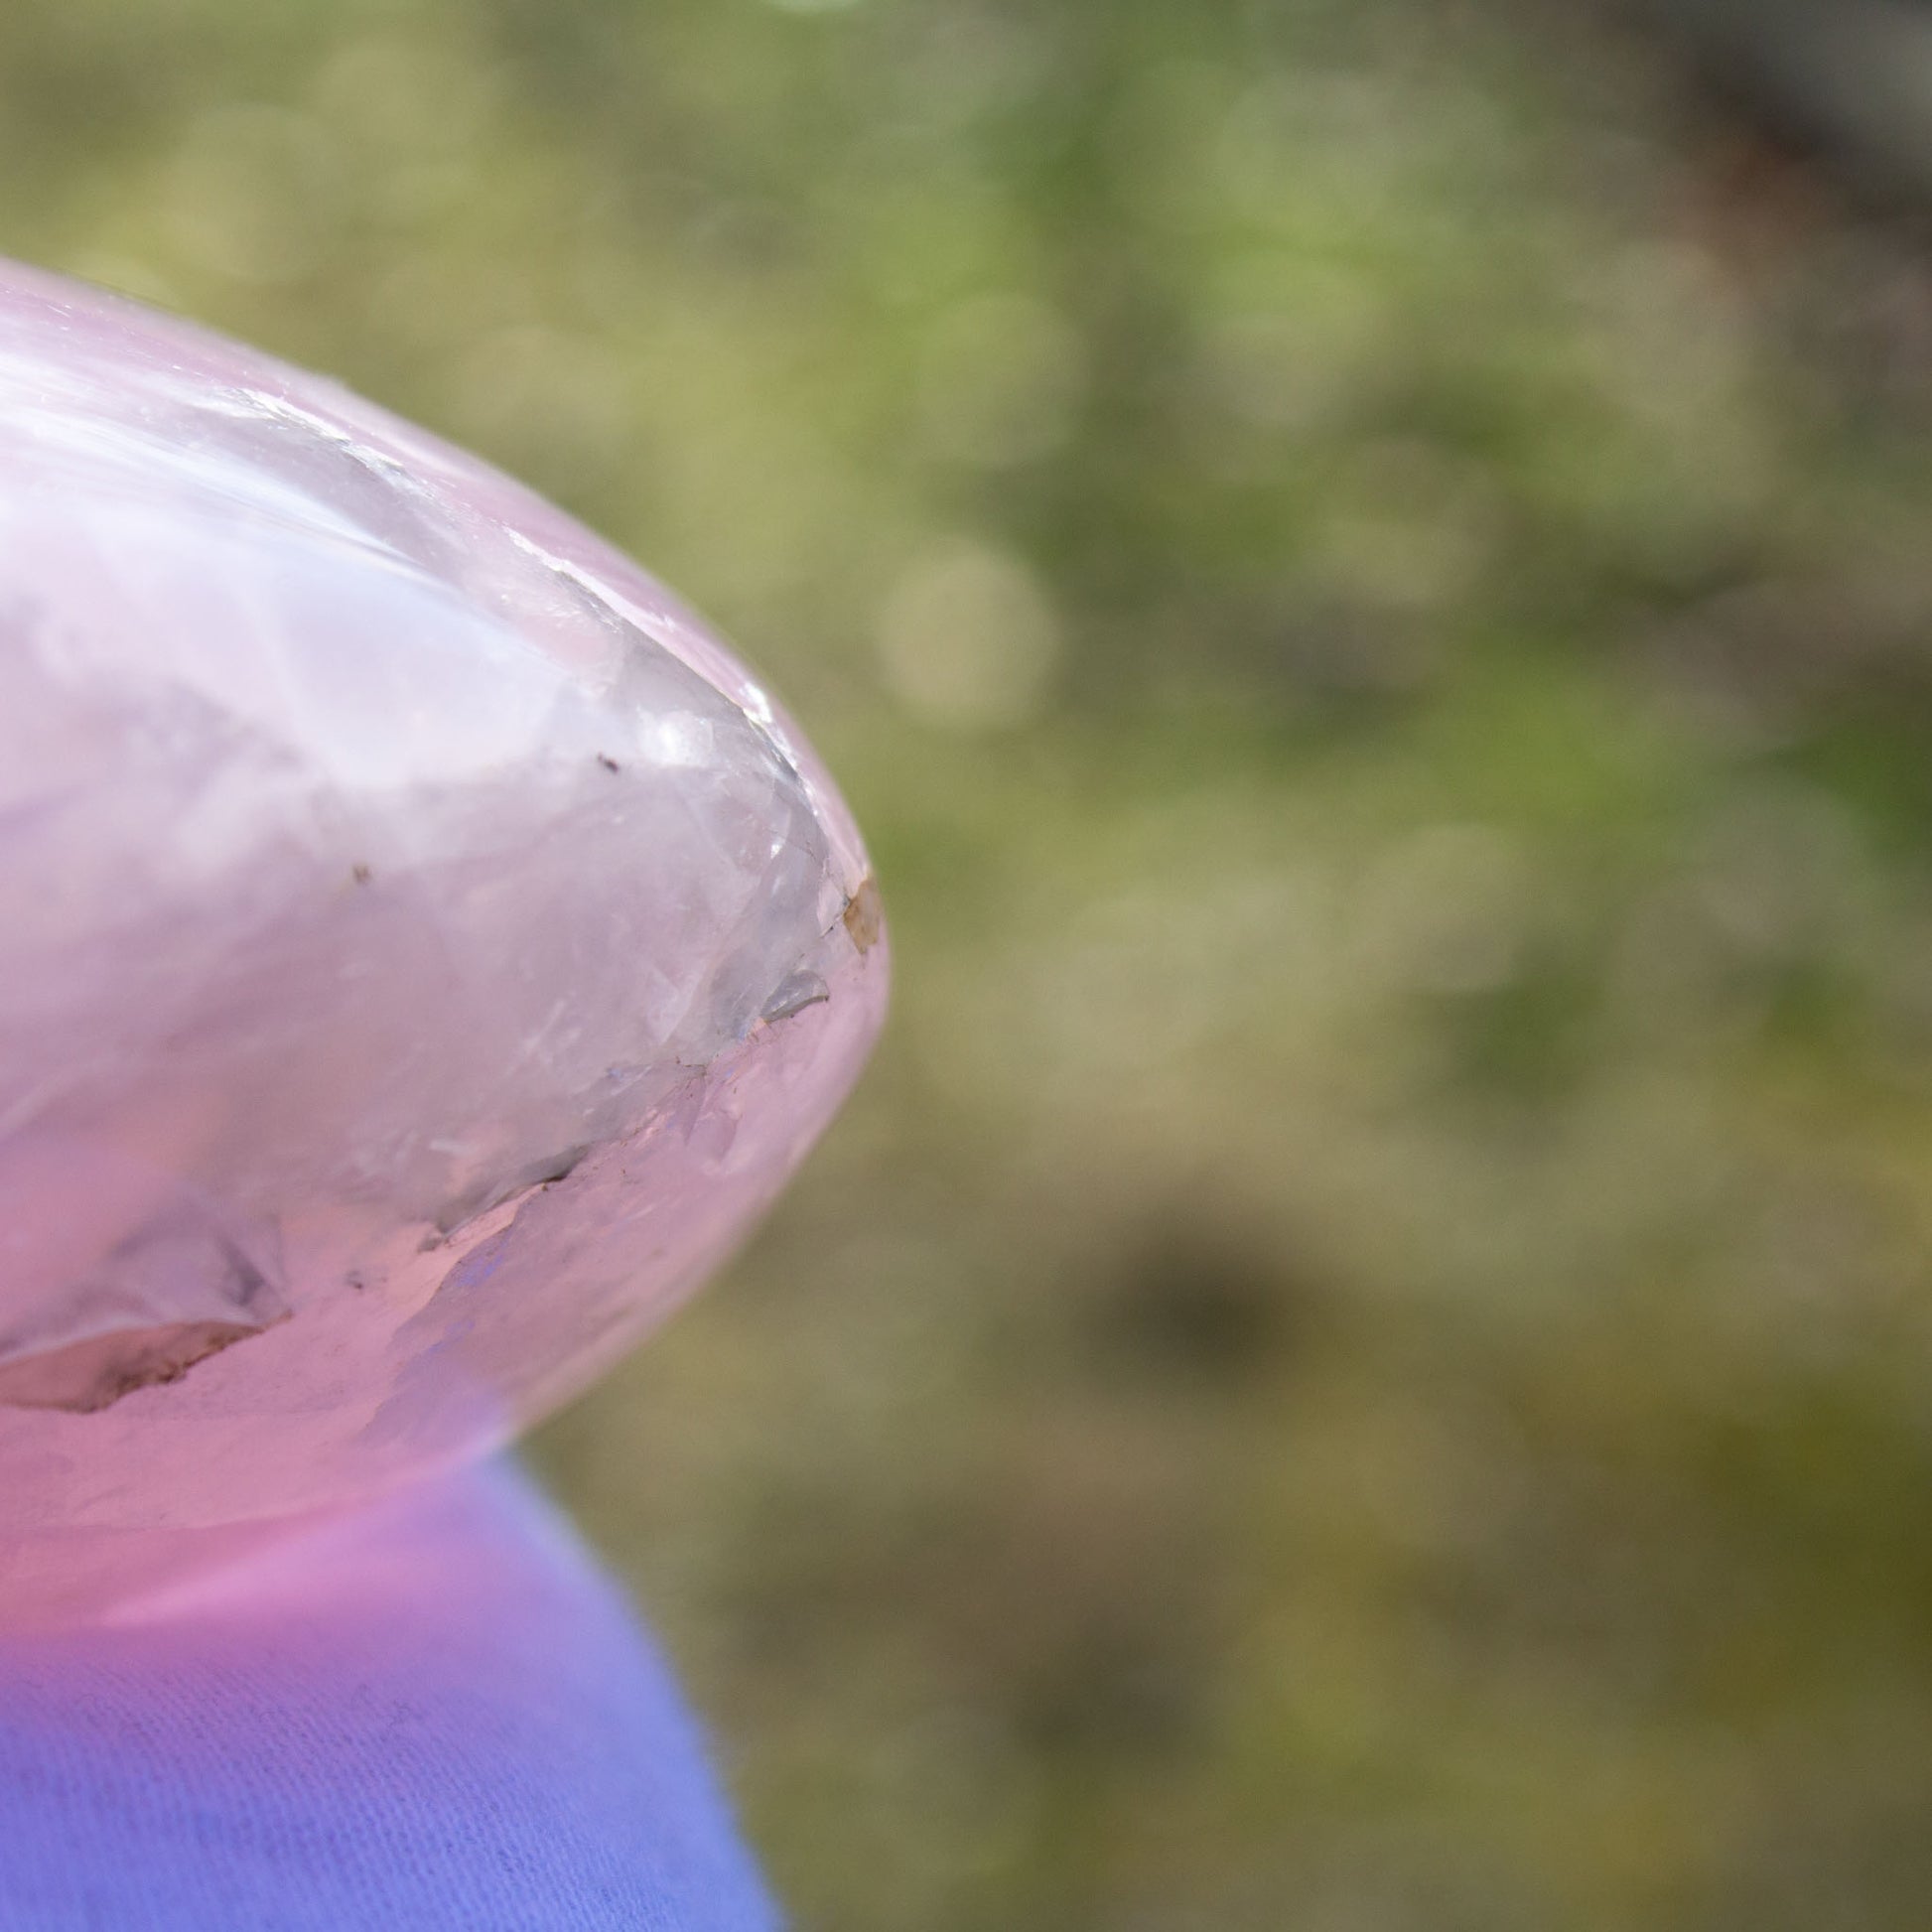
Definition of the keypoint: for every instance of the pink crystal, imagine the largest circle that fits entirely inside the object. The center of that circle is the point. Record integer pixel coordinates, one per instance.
(424, 949)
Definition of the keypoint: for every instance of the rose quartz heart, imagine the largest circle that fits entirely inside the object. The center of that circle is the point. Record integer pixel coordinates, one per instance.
(424, 949)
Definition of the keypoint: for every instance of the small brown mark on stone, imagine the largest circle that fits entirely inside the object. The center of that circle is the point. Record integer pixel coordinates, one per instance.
(864, 916)
(88, 1376)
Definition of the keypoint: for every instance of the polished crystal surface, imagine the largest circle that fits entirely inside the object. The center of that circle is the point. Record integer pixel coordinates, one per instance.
(423, 948)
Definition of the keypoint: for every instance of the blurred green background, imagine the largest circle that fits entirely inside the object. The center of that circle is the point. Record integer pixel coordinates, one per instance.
(1360, 1362)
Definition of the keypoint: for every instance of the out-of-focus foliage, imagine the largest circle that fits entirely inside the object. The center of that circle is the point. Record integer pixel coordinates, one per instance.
(1364, 1357)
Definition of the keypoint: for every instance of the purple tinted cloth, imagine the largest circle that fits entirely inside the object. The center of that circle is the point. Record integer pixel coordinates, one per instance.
(437, 1714)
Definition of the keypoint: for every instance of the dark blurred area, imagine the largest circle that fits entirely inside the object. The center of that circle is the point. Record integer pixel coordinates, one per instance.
(1363, 1358)
(1852, 77)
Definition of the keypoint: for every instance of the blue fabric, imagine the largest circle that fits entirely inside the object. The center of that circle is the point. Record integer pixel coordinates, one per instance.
(438, 1714)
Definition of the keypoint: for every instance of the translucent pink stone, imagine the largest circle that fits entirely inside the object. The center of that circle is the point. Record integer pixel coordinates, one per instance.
(423, 950)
